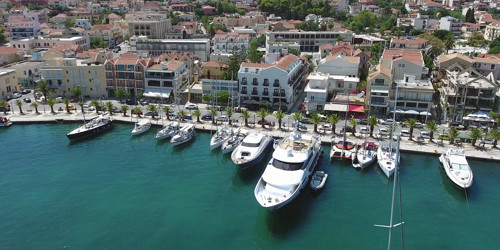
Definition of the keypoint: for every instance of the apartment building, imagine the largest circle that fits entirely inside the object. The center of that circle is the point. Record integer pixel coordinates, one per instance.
(465, 91)
(379, 82)
(64, 74)
(492, 31)
(417, 43)
(279, 83)
(346, 49)
(144, 46)
(107, 33)
(224, 43)
(236, 20)
(152, 26)
(8, 82)
(451, 24)
(126, 71)
(483, 64)
(32, 43)
(413, 96)
(404, 62)
(165, 79)
(215, 86)
(419, 22)
(309, 41)
(28, 73)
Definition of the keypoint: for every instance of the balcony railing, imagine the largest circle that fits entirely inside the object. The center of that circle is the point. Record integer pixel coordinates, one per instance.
(243, 82)
(255, 83)
(276, 94)
(244, 92)
(276, 85)
(255, 93)
(265, 93)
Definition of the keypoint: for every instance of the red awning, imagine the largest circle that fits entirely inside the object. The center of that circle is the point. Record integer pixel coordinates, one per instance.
(356, 108)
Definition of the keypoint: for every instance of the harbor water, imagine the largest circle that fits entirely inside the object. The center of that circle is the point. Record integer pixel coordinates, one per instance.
(121, 192)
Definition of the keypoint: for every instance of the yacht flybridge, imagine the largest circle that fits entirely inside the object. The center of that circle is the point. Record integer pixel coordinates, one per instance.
(457, 168)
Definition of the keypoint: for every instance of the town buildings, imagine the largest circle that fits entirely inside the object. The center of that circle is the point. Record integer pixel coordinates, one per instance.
(145, 47)
(309, 41)
(150, 25)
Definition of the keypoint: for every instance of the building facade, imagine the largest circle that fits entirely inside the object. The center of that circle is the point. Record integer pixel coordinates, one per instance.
(230, 43)
(154, 47)
(8, 82)
(309, 41)
(152, 26)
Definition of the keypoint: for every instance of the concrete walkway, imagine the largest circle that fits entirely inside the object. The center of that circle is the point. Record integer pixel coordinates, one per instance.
(424, 147)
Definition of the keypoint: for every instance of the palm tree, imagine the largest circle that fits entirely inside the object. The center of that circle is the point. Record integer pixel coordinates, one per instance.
(3, 104)
(153, 109)
(35, 105)
(213, 113)
(315, 119)
(453, 134)
(495, 135)
(124, 109)
(432, 127)
(44, 88)
(297, 116)
(167, 110)
(475, 133)
(333, 119)
(137, 111)
(19, 104)
(51, 102)
(354, 123)
(279, 115)
(95, 104)
(66, 102)
(182, 113)
(197, 113)
(449, 44)
(120, 93)
(229, 113)
(372, 122)
(262, 115)
(80, 103)
(411, 123)
(109, 107)
(245, 114)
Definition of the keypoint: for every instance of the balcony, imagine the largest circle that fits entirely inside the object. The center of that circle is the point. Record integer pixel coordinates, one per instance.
(243, 82)
(276, 94)
(244, 92)
(265, 93)
(266, 83)
(255, 83)
(283, 94)
(255, 93)
(276, 85)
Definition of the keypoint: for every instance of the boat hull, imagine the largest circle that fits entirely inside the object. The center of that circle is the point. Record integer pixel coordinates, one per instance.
(90, 132)
(257, 159)
(458, 184)
(178, 143)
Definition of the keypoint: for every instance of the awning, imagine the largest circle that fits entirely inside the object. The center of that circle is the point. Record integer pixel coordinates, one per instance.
(425, 113)
(380, 91)
(411, 112)
(356, 108)
(157, 93)
(399, 111)
(335, 107)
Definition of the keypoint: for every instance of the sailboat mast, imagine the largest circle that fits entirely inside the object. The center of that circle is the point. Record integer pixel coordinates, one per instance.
(81, 96)
(393, 118)
(345, 126)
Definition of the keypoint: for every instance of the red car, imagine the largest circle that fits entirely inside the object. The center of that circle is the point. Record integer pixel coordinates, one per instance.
(268, 123)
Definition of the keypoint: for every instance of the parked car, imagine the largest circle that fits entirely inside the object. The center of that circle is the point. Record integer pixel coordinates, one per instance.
(388, 122)
(444, 136)
(71, 107)
(405, 132)
(326, 126)
(305, 120)
(188, 117)
(27, 100)
(131, 101)
(457, 125)
(190, 106)
(362, 122)
(347, 129)
(364, 130)
(25, 91)
(383, 132)
(266, 122)
(16, 95)
(75, 100)
(149, 113)
(59, 99)
(425, 135)
(223, 118)
(419, 125)
(8, 97)
(206, 117)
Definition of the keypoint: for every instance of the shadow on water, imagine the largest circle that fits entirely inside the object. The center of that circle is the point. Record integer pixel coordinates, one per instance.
(283, 222)
(252, 174)
(455, 192)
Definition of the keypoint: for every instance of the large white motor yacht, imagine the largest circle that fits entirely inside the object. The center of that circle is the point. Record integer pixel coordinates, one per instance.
(456, 167)
(185, 134)
(288, 171)
(251, 150)
(141, 127)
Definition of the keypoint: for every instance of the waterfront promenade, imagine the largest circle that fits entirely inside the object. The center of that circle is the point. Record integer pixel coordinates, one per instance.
(423, 146)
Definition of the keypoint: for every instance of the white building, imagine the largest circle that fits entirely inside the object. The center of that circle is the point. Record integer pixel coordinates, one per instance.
(145, 47)
(404, 62)
(230, 43)
(153, 26)
(451, 24)
(45, 42)
(420, 22)
(280, 82)
(309, 41)
(165, 79)
(83, 23)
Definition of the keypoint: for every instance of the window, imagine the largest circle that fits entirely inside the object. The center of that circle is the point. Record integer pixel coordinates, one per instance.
(379, 81)
(493, 66)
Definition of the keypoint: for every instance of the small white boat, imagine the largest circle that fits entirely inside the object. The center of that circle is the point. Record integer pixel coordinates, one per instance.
(365, 155)
(234, 141)
(343, 149)
(318, 180)
(387, 157)
(223, 134)
(5, 122)
(288, 171)
(457, 168)
(168, 130)
(251, 150)
(184, 135)
(141, 127)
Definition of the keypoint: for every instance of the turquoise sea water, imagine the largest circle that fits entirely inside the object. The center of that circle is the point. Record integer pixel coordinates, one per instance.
(122, 192)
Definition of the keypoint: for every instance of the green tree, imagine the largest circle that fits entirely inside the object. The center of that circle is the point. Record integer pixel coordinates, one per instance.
(245, 114)
(372, 122)
(35, 105)
(3, 38)
(70, 23)
(20, 104)
(308, 26)
(120, 93)
(477, 40)
(469, 16)
(3, 104)
(127, 37)
(81, 104)
(495, 135)
(197, 113)
(453, 134)
(124, 109)
(315, 119)
(233, 67)
(279, 115)
(166, 111)
(297, 116)
(262, 115)
(229, 113)
(376, 52)
(333, 119)
(261, 40)
(475, 134)
(354, 123)
(95, 103)
(109, 107)
(411, 123)
(137, 111)
(76, 92)
(213, 113)
(182, 114)
(153, 109)
(66, 102)
(223, 97)
(443, 34)
(449, 44)
(495, 116)
(253, 54)
(96, 43)
(207, 98)
(44, 88)
(432, 126)
(51, 102)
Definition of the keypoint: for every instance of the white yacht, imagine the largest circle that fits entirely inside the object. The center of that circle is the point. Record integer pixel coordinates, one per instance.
(184, 135)
(365, 155)
(456, 167)
(343, 149)
(234, 141)
(288, 171)
(168, 130)
(141, 127)
(219, 137)
(386, 158)
(251, 150)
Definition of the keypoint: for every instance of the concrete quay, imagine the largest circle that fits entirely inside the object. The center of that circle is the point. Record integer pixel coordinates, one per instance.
(423, 146)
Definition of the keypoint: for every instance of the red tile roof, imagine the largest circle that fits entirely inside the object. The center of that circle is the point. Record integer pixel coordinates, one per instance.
(414, 56)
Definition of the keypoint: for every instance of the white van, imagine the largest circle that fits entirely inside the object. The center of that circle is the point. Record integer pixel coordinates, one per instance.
(59, 99)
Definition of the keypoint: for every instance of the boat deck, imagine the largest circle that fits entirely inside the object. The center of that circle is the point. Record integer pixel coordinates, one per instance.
(301, 145)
